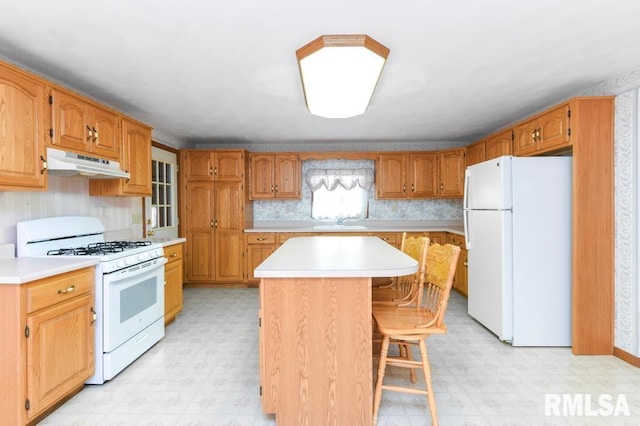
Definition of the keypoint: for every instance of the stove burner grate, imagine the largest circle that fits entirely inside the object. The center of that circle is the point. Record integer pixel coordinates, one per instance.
(97, 249)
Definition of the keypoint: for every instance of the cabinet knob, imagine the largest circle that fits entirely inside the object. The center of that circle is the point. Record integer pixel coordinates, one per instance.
(94, 316)
(211, 170)
(276, 188)
(173, 255)
(44, 164)
(465, 263)
(89, 134)
(150, 233)
(215, 223)
(95, 134)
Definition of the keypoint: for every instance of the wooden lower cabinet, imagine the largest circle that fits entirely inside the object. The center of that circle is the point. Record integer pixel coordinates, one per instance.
(172, 282)
(47, 340)
(259, 247)
(460, 280)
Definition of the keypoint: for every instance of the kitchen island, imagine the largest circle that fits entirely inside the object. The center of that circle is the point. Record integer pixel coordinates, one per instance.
(315, 327)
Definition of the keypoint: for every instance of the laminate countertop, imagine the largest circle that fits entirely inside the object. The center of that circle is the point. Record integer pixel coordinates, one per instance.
(21, 270)
(453, 226)
(336, 257)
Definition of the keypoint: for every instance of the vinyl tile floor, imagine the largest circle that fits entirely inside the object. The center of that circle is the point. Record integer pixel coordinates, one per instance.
(205, 372)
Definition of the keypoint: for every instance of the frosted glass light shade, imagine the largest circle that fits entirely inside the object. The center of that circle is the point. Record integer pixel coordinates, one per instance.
(339, 73)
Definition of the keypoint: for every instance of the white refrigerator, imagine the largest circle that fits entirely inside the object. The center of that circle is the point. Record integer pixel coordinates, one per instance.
(517, 220)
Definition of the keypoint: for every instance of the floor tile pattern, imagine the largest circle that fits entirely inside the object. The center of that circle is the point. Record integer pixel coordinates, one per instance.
(205, 372)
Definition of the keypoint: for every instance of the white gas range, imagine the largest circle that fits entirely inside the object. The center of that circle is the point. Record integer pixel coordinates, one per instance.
(129, 285)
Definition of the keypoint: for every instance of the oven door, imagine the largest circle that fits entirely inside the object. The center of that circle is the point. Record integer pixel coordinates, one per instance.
(133, 300)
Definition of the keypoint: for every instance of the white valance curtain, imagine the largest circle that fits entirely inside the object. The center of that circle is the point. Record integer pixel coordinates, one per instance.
(346, 178)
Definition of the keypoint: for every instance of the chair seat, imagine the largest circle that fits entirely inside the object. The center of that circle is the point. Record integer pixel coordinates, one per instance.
(392, 320)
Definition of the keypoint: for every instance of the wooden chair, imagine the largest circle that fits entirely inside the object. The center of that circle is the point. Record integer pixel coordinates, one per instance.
(412, 325)
(405, 290)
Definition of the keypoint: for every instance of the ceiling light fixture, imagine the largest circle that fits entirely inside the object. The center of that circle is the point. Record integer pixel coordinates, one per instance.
(339, 73)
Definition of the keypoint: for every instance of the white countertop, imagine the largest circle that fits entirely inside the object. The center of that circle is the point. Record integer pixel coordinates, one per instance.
(453, 226)
(20, 270)
(336, 257)
(167, 241)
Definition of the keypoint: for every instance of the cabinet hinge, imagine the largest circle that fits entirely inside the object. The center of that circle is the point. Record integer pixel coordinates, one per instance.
(50, 100)
(177, 168)
(569, 131)
(513, 136)
(26, 331)
(260, 390)
(569, 113)
(27, 405)
(50, 133)
(259, 322)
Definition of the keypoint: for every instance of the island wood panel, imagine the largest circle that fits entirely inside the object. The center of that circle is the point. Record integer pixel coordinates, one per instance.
(316, 360)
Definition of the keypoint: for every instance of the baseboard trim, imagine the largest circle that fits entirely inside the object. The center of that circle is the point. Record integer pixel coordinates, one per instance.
(626, 356)
(222, 285)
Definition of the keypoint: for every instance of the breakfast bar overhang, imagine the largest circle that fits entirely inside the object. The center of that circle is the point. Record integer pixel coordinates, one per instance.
(315, 327)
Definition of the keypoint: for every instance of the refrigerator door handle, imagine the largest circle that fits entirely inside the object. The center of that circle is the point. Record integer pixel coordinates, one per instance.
(465, 193)
(465, 217)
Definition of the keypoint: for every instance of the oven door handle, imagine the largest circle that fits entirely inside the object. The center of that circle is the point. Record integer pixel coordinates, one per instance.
(119, 276)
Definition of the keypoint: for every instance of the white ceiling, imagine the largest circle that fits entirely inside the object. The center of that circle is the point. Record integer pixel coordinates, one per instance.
(206, 70)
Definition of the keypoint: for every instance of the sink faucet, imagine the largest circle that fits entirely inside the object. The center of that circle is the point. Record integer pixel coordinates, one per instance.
(341, 220)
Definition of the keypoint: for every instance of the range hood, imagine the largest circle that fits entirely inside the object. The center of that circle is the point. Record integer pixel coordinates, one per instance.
(61, 163)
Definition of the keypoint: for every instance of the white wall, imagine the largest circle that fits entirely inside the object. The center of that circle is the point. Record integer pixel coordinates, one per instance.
(69, 196)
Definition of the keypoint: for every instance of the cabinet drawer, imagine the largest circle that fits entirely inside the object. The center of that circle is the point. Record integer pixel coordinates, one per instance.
(261, 238)
(388, 237)
(49, 291)
(173, 253)
(456, 240)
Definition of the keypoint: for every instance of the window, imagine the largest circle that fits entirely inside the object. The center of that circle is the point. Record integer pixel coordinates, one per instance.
(161, 208)
(339, 203)
(339, 193)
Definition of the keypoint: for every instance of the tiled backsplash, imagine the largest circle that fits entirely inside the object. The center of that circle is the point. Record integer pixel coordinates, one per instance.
(67, 196)
(300, 210)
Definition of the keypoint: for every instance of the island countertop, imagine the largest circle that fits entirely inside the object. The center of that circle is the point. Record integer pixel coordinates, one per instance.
(360, 226)
(336, 257)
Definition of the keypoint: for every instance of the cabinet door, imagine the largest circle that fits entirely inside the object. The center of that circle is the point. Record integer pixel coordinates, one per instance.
(228, 166)
(71, 122)
(136, 158)
(390, 176)
(256, 254)
(106, 133)
(452, 165)
(262, 185)
(476, 153)
(60, 351)
(172, 289)
(554, 128)
(21, 131)
(228, 228)
(198, 165)
(287, 176)
(525, 137)
(199, 224)
(437, 237)
(422, 175)
(499, 145)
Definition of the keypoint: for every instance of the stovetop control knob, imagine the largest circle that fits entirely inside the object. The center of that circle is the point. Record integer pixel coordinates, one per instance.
(120, 263)
(143, 256)
(129, 260)
(159, 252)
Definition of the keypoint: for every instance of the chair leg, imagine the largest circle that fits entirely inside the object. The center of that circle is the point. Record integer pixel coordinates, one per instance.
(431, 398)
(381, 368)
(409, 356)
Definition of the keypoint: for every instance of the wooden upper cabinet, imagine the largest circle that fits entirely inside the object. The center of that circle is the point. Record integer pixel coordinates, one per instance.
(452, 165)
(22, 148)
(136, 160)
(546, 132)
(476, 153)
(274, 176)
(423, 174)
(199, 165)
(391, 176)
(428, 174)
(499, 144)
(84, 127)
